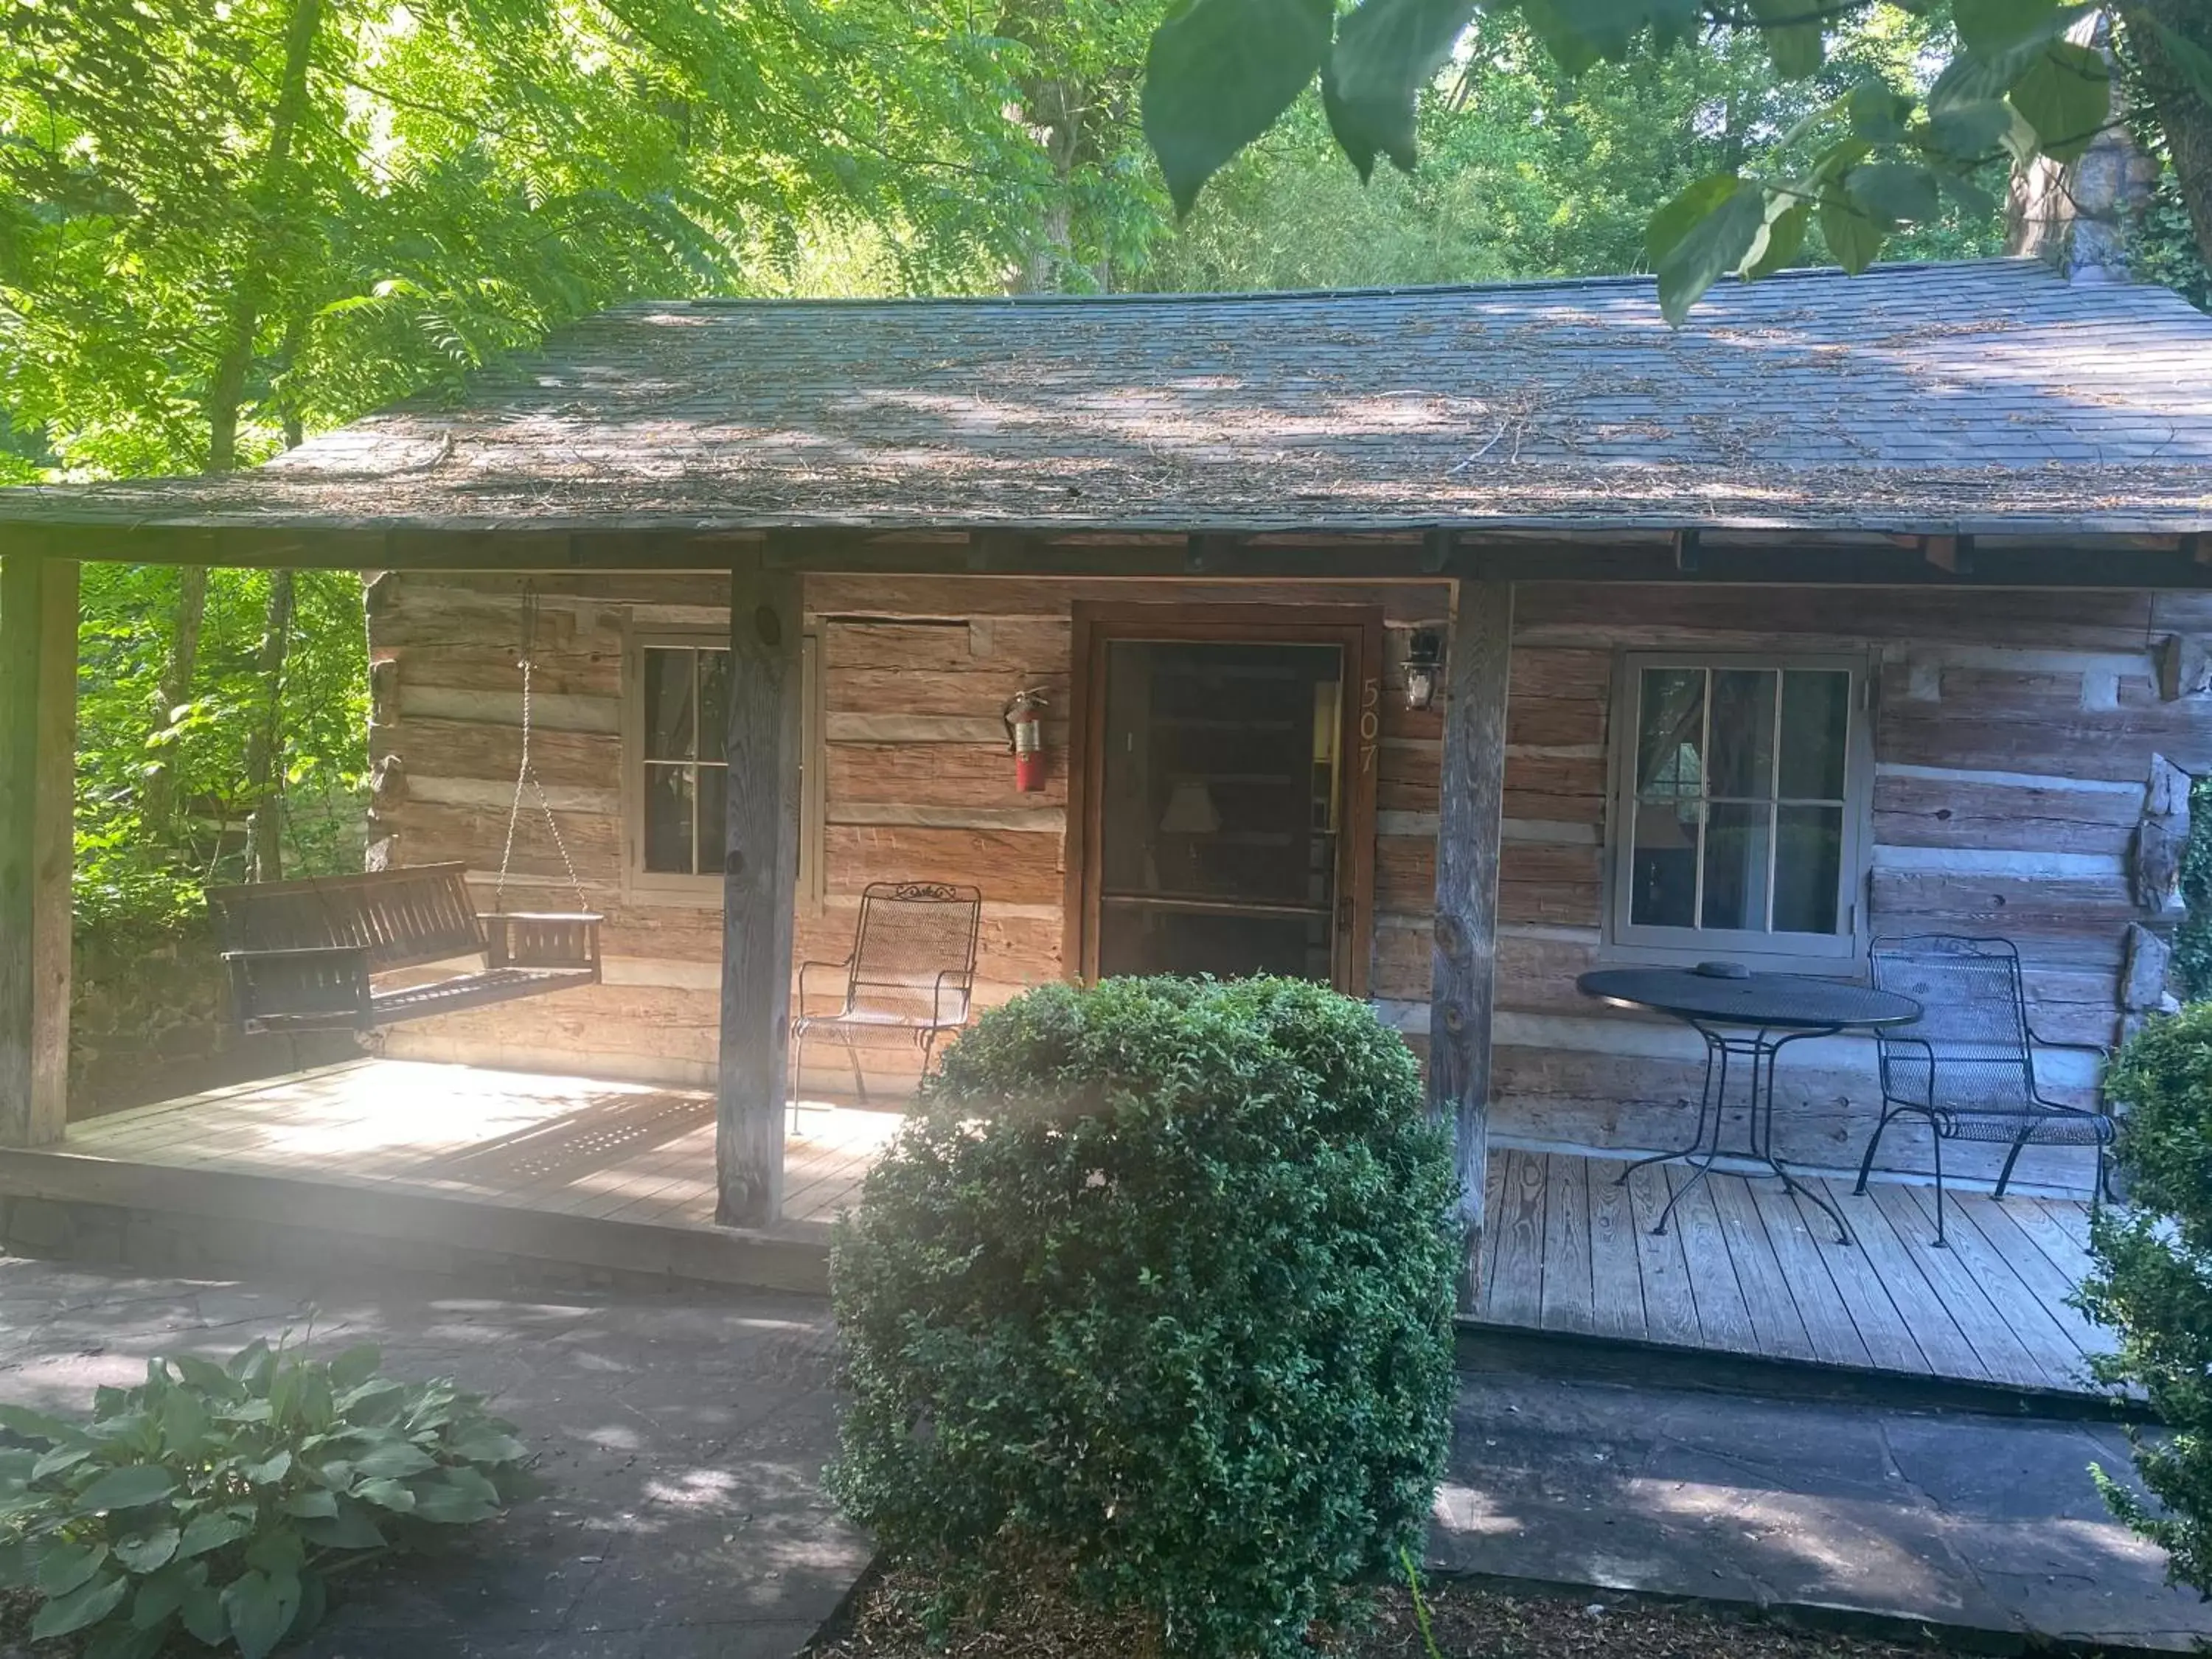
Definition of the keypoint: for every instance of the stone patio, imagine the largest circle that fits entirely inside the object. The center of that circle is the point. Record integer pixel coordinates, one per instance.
(684, 1431)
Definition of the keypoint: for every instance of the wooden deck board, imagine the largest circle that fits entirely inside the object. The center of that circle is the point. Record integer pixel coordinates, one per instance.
(1517, 1287)
(1567, 1294)
(1743, 1269)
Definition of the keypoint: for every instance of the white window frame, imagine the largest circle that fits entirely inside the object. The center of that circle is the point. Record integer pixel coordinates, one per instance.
(705, 889)
(1624, 940)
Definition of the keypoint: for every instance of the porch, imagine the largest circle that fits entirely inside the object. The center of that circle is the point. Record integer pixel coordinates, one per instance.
(607, 1175)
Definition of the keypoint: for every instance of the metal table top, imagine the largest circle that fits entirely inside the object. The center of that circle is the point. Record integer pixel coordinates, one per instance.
(1772, 1002)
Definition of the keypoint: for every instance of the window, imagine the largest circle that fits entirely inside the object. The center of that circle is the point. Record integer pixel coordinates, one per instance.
(1739, 786)
(678, 714)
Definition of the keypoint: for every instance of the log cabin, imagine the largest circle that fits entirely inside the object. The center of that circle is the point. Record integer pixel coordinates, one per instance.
(1441, 644)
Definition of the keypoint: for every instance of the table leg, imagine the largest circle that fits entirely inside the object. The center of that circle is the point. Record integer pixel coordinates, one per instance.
(1705, 1106)
(1790, 1183)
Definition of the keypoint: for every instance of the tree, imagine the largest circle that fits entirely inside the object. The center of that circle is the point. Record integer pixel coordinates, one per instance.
(1878, 155)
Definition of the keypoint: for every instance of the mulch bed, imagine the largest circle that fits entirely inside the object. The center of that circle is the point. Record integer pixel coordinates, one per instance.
(1467, 1623)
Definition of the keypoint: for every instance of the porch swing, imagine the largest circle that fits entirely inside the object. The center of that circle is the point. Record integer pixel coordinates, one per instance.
(302, 953)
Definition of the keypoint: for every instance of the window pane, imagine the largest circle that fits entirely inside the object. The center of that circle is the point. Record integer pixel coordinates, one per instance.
(1742, 758)
(1736, 867)
(1816, 718)
(1670, 732)
(1662, 878)
(668, 724)
(714, 704)
(668, 819)
(713, 828)
(1808, 868)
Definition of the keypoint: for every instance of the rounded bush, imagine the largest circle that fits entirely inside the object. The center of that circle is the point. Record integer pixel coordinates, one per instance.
(1154, 1301)
(2152, 1282)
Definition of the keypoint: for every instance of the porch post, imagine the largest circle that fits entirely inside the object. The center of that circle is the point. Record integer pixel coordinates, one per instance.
(1469, 823)
(760, 879)
(37, 762)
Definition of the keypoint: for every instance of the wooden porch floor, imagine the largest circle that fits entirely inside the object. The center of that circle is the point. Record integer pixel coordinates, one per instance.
(615, 1174)
(1744, 1268)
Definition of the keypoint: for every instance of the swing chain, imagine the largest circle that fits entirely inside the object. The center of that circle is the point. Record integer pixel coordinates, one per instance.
(526, 776)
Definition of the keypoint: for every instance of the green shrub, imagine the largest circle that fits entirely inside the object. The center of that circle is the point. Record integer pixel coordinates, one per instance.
(217, 1499)
(2153, 1280)
(1155, 1298)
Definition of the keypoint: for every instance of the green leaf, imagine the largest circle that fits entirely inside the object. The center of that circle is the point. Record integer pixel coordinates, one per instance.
(311, 1503)
(2066, 96)
(1784, 238)
(60, 1458)
(1972, 132)
(207, 1375)
(1793, 42)
(270, 1471)
(165, 1592)
(482, 1443)
(1894, 192)
(184, 1420)
(1715, 246)
(1674, 221)
(1853, 237)
(387, 1495)
(1878, 114)
(277, 1550)
(18, 1566)
(351, 1528)
(125, 1641)
(1218, 75)
(259, 1607)
(394, 1460)
(212, 1531)
(251, 1366)
(128, 1487)
(314, 1602)
(88, 1604)
(1972, 200)
(355, 1366)
(145, 1552)
(1991, 26)
(450, 1501)
(65, 1566)
(1386, 51)
(205, 1617)
(37, 1425)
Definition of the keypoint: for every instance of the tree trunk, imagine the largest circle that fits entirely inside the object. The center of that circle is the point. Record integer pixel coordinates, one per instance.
(249, 286)
(2184, 113)
(1054, 107)
(265, 746)
(158, 803)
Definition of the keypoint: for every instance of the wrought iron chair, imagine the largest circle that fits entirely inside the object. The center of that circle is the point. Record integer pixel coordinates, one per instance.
(1967, 1066)
(912, 969)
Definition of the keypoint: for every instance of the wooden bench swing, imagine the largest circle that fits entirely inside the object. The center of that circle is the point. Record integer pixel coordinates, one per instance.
(302, 953)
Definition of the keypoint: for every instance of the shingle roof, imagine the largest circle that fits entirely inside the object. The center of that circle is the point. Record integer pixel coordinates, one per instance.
(1990, 395)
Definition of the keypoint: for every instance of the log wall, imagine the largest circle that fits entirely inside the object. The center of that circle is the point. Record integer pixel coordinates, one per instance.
(2013, 737)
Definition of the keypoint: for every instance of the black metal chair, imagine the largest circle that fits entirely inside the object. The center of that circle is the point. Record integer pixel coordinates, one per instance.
(912, 969)
(1966, 1067)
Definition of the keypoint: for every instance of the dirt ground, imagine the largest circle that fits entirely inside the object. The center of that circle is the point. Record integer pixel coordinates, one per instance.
(1465, 1623)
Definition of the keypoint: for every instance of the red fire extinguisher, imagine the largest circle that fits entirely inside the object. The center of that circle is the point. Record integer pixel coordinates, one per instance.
(1025, 717)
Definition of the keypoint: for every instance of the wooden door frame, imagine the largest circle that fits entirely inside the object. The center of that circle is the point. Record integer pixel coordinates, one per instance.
(1355, 629)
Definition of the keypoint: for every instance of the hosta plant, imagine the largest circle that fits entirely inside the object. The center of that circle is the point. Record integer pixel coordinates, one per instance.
(218, 1499)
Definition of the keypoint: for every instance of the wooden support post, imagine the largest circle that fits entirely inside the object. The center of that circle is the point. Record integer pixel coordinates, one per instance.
(1470, 822)
(760, 880)
(1688, 557)
(38, 762)
(1951, 554)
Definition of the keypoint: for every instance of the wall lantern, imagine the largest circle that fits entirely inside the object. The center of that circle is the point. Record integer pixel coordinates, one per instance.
(1423, 664)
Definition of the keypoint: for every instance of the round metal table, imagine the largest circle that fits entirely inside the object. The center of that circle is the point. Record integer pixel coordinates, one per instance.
(1746, 1017)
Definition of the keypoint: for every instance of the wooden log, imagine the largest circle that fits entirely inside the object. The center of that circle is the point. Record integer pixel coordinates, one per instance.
(978, 644)
(760, 881)
(464, 749)
(2184, 668)
(1464, 967)
(38, 754)
(1919, 811)
(2161, 839)
(976, 775)
(1010, 866)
